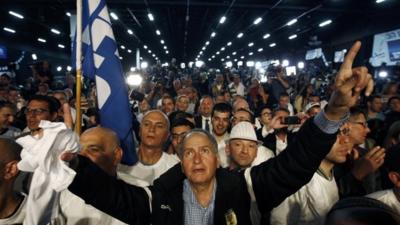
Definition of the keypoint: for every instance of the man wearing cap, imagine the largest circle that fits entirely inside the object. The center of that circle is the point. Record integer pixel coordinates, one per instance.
(312, 109)
(206, 194)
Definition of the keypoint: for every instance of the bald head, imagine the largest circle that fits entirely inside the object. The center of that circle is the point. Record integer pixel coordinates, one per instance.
(101, 145)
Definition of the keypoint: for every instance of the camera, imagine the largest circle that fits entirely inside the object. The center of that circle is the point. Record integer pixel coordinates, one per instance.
(291, 120)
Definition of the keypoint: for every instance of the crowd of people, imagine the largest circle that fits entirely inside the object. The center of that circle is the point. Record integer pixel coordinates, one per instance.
(213, 148)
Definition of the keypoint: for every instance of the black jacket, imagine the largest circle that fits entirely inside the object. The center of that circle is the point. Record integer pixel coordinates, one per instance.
(272, 181)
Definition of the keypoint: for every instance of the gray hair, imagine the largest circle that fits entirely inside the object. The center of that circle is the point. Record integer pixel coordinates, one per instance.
(214, 145)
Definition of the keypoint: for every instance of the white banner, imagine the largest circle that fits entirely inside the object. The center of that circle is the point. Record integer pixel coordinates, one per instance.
(386, 49)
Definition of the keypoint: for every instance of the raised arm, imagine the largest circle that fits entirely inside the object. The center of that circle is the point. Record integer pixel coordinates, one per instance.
(272, 181)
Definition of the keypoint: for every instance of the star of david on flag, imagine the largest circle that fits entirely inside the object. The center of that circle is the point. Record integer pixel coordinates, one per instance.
(101, 63)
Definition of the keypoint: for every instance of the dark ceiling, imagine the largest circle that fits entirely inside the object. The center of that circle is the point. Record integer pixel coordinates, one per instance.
(185, 39)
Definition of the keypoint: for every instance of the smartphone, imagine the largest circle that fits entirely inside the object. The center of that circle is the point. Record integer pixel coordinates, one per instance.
(291, 120)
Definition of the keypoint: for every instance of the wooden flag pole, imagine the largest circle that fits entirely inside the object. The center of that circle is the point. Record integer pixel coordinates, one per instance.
(78, 121)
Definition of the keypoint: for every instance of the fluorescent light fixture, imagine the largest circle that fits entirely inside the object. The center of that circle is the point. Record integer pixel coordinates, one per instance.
(251, 44)
(9, 30)
(145, 46)
(34, 56)
(229, 64)
(133, 69)
(240, 35)
(134, 80)
(162, 42)
(228, 57)
(217, 53)
(154, 55)
(223, 49)
(222, 60)
(199, 64)
(129, 51)
(285, 62)
(41, 40)
(326, 22)
(291, 37)
(379, 1)
(229, 43)
(222, 20)
(383, 74)
(144, 65)
(213, 56)
(257, 21)
(250, 63)
(209, 59)
(61, 46)
(167, 52)
(290, 23)
(183, 65)
(203, 48)
(207, 43)
(266, 36)
(69, 68)
(114, 16)
(123, 46)
(165, 47)
(149, 51)
(55, 31)
(121, 58)
(235, 60)
(240, 63)
(201, 52)
(130, 31)
(68, 14)
(151, 17)
(300, 65)
(242, 57)
(158, 32)
(251, 53)
(16, 14)
(233, 53)
(272, 45)
(213, 34)
(59, 68)
(260, 49)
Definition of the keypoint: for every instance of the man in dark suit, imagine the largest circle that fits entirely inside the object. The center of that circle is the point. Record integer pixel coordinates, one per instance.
(203, 119)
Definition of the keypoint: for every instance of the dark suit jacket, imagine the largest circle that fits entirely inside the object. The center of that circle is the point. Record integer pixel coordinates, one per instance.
(272, 181)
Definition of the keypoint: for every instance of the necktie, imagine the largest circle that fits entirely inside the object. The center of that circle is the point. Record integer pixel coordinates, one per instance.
(207, 125)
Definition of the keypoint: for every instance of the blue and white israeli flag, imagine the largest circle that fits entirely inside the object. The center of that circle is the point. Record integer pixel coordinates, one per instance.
(101, 63)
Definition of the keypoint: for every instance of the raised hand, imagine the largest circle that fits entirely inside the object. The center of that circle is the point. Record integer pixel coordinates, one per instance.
(349, 84)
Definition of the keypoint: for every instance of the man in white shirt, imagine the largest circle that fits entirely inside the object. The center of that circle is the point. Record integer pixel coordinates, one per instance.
(220, 119)
(154, 132)
(313, 201)
(391, 197)
(236, 87)
(12, 204)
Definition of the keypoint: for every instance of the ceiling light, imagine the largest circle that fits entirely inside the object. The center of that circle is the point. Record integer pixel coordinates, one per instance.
(233, 53)
(165, 47)
(240, 35)
(251, 44)
(260, 49)
(222, 60)
(250, 63)
(290, 23)
(209, 59)
(266, 36)
(207, 43)
(300, 65)
(272, 45)
(114, 16)
(134, 79)
(166, 52)
(285, 62)
(213, 56)
(145, 46)
(292, 36)
(379, 1)
(149, 51)
(8, 30)
(144, 65)
(154, 55)
(61, 46)
(251, 53)
(41, 40)
(130, 32)
(326, 22)
(229, 64)
(122, 46)
(158, 32)
(223, 49)
(55, 31)
(162, 41)
(229, 44)
(235, 60)
(59, 68)
(199, 63)
(257, 21)
(222, 20)
(203, 48)
(69, 68)
(242, 57)
(201, 52)
(240, 63)
(213, 34)
(151, 17)
(16, 14)
(68, 14)
(217, 53)
(34, 56)
(129, 51)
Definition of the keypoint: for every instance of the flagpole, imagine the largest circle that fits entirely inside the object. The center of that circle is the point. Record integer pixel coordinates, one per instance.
(78, 120)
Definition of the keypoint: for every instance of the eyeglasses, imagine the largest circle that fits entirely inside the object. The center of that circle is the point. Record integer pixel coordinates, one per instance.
(364, 124)
(38, 111)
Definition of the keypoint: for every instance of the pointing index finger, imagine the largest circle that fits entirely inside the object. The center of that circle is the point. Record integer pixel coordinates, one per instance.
(351, 55)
